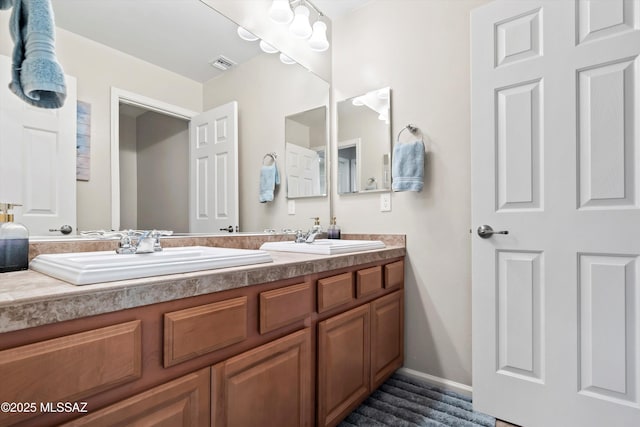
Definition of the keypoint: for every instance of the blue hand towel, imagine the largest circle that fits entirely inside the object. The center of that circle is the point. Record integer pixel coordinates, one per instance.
(6, 4)
(269, 178)
(37, 77)
(407, 167)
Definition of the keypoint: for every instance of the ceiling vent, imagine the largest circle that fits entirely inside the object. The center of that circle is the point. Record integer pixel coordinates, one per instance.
(222, 63)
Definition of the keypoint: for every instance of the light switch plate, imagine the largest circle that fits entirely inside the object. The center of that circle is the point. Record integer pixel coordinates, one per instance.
(385, 202)
(291, 207)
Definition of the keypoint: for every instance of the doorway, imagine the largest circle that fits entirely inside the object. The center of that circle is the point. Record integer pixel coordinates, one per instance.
(156, 172)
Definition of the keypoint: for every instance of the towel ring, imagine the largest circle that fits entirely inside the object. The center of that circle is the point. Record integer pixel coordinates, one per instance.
(414, 130)
(271, 155)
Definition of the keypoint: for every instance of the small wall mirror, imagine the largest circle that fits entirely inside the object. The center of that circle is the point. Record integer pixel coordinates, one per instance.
(306, 147)
(364, 143)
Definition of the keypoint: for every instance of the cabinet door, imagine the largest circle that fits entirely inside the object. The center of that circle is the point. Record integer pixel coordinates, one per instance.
(387, 337)
(343, 364)
(179, 403)
(268, 386)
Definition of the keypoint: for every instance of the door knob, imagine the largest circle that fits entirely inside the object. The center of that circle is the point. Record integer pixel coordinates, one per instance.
(485, 231)
(65, 229)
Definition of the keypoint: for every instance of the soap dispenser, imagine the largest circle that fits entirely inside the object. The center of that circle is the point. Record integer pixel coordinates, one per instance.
(334, 230)
(14, 241)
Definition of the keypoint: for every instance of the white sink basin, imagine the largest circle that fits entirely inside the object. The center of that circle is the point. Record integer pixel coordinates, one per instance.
(324, 246)
(83, 268)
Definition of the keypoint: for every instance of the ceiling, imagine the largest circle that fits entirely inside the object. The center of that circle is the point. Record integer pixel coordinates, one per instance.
(182, 36)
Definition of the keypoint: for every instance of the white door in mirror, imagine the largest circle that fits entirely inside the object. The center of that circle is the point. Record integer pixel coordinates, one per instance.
(213, 169)
(38, 158)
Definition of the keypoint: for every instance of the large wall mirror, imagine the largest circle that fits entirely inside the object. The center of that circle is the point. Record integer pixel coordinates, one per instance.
(306, 147)
(141, 48)
(364, 143)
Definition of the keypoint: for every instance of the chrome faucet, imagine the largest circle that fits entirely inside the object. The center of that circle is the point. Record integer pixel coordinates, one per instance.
(309, 236)
(141, 242)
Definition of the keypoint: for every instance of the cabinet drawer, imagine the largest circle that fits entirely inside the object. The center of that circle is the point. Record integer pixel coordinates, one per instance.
(394, 275)
(368, 281)
(283, 306)
(335, 291)
(72, 367)
(199, 330)
(184, 402)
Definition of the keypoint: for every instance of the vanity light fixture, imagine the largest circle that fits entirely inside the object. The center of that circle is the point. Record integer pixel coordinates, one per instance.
(286, 60)
(267, 48)
(246, 35)
(318, 40)
(280, 12)
(300, 26)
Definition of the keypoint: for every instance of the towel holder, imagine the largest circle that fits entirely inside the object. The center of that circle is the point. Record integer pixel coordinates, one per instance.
(413, 129)
(273, 155)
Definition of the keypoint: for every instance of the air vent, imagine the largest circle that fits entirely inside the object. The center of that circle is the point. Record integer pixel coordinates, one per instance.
(222, 63)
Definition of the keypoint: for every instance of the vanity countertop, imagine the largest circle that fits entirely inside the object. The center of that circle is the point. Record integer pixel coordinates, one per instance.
(29, 298)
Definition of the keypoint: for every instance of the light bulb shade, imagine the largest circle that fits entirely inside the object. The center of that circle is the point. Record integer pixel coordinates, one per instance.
(300, 26)
(286, 60)
(246, 35)
(280, 11)
(318, 40)
(267, 48)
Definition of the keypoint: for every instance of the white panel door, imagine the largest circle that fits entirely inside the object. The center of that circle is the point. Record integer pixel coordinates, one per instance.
(38, 158)
(213, 169)
(303, 171)
(555, 159)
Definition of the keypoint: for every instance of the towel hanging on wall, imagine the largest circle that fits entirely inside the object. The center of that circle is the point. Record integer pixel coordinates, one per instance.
(37, 77)
(269, 177)
(407, 166)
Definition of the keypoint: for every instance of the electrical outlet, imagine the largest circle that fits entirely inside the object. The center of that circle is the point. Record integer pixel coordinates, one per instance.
(385, 202)
(291, 207)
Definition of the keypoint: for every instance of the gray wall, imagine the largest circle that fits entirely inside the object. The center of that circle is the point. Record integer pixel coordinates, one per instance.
(163, 172)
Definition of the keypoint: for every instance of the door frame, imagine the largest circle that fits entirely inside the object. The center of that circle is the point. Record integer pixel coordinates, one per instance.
(122, 96)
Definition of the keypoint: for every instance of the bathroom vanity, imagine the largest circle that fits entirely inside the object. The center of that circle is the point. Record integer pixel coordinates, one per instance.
(297, 342)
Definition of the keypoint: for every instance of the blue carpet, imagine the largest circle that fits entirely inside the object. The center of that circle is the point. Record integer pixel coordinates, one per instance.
(405, 401)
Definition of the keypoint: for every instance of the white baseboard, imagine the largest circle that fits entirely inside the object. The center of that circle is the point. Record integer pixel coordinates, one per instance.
(463, 389)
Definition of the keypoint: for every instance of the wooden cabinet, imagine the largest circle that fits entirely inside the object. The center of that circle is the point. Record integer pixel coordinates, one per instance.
(357, 351)
(343, 364)
(368, 281)
(199, 330)
(301, 352)
(283, 306)
(387, 337)
(47, 371)
(335, 291)
(271, 385)
(184, 402)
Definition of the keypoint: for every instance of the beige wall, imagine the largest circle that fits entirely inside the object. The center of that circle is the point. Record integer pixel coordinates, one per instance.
(267, 91)
(421, 50)
(97, 69)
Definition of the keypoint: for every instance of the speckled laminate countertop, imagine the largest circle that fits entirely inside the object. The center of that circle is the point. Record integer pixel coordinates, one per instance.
(29, 298)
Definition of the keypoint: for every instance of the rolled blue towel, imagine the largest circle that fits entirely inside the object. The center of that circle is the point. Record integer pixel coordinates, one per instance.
(407, 167)
(5, 4)
(269, 178)
(37, 77)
